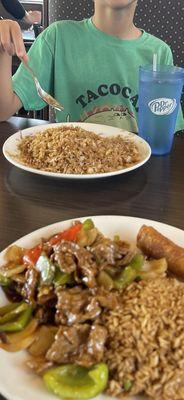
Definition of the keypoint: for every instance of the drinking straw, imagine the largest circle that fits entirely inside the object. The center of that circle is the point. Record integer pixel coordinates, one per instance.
(154, 62)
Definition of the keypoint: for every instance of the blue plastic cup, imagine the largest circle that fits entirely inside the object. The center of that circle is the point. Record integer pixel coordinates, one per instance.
(159, 101)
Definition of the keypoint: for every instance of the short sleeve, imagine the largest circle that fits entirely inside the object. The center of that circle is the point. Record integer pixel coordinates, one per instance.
(41, 60)
(168, 56)
(180, 121)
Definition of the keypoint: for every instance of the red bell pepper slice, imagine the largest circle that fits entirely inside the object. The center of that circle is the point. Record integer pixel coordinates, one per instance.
(31, 256)
(69, 234)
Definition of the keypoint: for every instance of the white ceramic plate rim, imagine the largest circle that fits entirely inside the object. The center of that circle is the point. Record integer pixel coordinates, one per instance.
(10, 147)
(15, 380)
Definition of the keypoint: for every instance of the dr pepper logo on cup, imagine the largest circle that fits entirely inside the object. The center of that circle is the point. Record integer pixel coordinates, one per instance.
(162, 106)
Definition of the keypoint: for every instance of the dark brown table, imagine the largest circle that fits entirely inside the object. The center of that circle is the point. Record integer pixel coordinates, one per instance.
(28, 201)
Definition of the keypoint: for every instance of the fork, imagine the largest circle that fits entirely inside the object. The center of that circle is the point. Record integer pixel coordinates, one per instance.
(41, 92)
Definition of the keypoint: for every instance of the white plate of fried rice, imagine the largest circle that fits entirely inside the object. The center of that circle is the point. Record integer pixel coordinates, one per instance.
(146, 334)
(76, 150)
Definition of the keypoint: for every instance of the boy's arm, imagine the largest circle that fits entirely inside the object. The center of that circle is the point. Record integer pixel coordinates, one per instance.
(11, 42)
(9, 101)
(42, 61)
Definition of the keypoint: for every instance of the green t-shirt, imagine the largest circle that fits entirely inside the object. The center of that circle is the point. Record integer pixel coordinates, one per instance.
(93, 74)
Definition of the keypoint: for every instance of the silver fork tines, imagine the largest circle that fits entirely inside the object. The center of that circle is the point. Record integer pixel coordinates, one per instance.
(41, 92)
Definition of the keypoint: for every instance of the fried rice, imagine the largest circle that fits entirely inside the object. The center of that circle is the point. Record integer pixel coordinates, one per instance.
(72, 150)
(145, 349)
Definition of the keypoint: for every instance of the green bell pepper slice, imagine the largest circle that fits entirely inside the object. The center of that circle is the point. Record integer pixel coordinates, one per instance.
(116, 238)
(8, 308)
(19, 323)
(128, 385)
(125, 278)
(4, 281)
(130, 273)
(88, 224)
(12, 314)
(137, 262)
(61, 278)
(75, 382)
(46, 268)
(105, 280)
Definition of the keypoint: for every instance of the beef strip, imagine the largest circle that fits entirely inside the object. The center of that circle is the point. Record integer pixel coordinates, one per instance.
(30, 287)
(81, 344)
(107, 299)
(13, 293)
(73, 258)
(45, 315)
(46, 295)
(108, 252)
(67, 343)
(76, 305)
(64, 255)
(87, 267)
(93, 351)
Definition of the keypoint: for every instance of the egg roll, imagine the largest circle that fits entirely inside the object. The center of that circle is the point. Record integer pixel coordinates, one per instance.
(155, 245)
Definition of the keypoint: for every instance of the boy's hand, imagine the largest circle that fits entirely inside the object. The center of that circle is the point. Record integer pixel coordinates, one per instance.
(11, 41)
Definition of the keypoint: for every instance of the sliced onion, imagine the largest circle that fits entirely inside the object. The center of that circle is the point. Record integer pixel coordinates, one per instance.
(14, 254)
(87, 237)
(17, 346)
(9, 270)
(44, 338)
(154, 268)
(21, 340)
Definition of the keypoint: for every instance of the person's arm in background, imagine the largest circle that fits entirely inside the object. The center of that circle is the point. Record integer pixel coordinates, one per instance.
(15, 8)
(11, 42)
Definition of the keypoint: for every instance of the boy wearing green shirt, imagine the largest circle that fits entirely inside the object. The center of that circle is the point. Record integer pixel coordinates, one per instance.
(90, 66)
